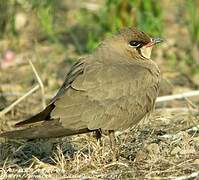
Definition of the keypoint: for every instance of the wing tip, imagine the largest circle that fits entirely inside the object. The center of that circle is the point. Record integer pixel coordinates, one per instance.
(41, 116)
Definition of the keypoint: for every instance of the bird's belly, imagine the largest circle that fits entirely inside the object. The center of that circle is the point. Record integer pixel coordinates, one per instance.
(127, 111)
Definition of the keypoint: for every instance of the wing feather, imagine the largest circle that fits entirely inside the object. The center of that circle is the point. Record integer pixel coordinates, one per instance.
(108, 97)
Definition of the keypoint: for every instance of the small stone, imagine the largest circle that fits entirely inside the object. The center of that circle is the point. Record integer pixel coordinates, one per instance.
(153, 148)
(196, 162)
(20, 21)
(176, 150)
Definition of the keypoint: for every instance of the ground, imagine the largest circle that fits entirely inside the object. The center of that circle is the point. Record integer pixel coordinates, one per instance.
(165, 146)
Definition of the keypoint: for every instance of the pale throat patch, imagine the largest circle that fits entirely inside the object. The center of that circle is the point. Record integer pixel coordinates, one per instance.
(146, 51)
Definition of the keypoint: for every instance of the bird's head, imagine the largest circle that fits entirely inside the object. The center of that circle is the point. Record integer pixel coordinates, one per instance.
(133, 43)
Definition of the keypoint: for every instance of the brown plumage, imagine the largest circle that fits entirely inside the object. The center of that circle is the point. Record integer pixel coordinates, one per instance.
(111, 89)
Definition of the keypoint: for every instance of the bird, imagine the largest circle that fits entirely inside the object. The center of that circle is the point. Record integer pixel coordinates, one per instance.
(111, 89)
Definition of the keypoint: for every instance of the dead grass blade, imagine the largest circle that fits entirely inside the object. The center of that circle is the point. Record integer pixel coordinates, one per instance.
(9, 108)
(177, 96)
(40, 83)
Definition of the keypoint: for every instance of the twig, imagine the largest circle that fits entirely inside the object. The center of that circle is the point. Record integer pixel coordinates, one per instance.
(18, 94)
(177, 96)
(40, 83)
(190, 176)
(115, 163)
(18, 100)
(170, 110)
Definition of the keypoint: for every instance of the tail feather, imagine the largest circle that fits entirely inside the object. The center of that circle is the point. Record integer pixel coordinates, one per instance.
(47, 129)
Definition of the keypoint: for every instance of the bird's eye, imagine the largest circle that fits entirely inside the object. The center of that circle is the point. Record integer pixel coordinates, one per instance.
(135, 44)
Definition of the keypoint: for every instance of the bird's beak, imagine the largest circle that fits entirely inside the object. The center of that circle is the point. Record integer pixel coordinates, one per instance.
(146, 50)
(154, 41)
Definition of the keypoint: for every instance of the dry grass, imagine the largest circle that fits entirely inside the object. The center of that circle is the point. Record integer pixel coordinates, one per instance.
(164, 148)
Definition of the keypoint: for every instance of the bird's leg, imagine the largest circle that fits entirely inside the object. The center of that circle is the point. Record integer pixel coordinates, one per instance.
(98, 134)
(113, 144)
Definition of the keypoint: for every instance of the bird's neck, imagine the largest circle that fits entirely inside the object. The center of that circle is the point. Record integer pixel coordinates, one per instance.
(110, 55)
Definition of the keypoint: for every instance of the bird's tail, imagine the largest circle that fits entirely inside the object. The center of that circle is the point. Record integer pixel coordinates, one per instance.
(46, 129)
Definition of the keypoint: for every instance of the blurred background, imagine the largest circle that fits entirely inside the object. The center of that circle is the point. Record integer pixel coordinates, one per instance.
(54, 34)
